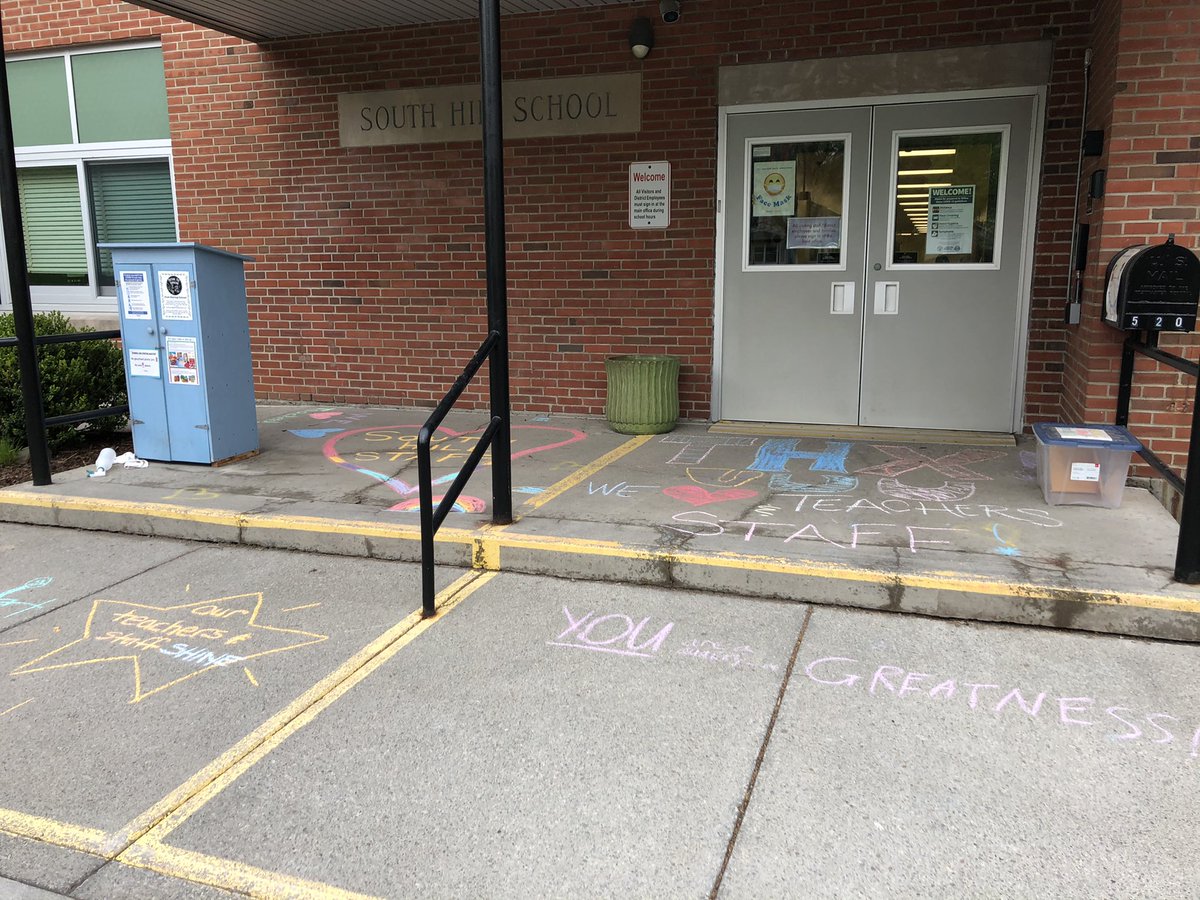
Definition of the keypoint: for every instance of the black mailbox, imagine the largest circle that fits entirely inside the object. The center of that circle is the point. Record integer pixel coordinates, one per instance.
(1156, 288)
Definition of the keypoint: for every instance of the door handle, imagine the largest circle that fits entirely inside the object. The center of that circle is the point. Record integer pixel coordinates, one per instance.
(841, 298)
(149, 331)
(887, 298)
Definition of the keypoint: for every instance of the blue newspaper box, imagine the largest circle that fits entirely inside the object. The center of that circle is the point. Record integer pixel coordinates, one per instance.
(186, 339)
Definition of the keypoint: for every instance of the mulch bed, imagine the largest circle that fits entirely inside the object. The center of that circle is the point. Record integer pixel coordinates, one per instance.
(68, 458)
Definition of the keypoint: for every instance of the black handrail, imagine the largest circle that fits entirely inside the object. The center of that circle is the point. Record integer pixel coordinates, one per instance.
(1187, 551)
(432, 519)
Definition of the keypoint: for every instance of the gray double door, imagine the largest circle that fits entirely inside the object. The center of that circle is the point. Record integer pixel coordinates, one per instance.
(873, 264)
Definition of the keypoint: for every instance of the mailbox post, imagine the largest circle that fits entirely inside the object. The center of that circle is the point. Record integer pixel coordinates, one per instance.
(186, 338)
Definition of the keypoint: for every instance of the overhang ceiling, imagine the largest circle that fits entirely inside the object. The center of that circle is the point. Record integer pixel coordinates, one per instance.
(269, 20)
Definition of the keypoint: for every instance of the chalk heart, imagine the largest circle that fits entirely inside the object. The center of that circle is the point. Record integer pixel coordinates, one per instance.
(332, 414)
(694, 495)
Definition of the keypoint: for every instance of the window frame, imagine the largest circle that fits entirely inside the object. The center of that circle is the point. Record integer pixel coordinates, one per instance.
(92, 299)
(747, 176)
(1001, 194)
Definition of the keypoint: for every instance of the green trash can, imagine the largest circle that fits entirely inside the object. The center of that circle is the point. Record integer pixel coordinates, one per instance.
(643, 393)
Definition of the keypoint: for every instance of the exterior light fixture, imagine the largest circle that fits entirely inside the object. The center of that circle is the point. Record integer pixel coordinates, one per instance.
(641, 37)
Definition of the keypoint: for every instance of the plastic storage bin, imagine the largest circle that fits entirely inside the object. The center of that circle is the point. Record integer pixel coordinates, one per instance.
(1083, 464)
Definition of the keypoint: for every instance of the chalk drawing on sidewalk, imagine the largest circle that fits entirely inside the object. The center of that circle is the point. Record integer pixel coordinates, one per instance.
(13, 709)
(694, 495)
(1113, 723)
(10, 606)
(300, 414)
(723, 478)
(168, 645)
(919, 500)
(622, 489)
(620, 635)
(697, 447)
(366, 450)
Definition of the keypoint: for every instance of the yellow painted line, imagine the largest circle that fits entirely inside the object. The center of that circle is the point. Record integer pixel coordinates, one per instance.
(250, 675)
(133, 507)
(836, 571)
(62, 834)
(487, 543)
(306, 606)
(486, 555)
(147, 820)
(231, 875)
(448, 600)
(15, 708)
(15, 643)
(586, 472)
(229, 518)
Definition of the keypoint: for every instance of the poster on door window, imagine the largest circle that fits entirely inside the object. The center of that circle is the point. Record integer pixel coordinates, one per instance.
(144, 363)
(175, 296)
(815, 233)
(135, 294)
(951, 220)
(773, 188)
(182, 367)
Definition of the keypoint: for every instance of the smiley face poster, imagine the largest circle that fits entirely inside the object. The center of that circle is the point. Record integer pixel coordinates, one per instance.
(773, 188)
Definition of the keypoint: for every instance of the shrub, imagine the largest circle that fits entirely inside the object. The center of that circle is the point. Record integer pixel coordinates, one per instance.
(75, 378)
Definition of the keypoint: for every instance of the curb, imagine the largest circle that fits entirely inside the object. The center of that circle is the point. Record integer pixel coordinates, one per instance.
(942, 594)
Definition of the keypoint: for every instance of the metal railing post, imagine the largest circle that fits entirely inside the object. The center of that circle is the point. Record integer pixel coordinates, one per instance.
(1187, 552)
(18, 281)
(497, 289)
(432, 518)
(425, 485)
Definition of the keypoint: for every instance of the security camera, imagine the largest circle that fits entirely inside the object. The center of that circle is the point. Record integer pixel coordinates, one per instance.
(669, 10)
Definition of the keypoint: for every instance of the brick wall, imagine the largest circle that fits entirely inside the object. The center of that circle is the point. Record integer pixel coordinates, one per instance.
(1146, 98)
(368, 280)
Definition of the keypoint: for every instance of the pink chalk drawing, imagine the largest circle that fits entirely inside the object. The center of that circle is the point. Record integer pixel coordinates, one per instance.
(462, 504)
(397, 444)
(694, 495)
(327, 414)
(952, 465)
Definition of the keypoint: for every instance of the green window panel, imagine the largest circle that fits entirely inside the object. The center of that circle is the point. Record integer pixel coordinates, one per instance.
(120, 96)
(37, 93)
(131, 203)
(53, 220)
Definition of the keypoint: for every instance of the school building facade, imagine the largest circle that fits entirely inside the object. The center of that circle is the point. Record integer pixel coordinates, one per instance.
(842, 213)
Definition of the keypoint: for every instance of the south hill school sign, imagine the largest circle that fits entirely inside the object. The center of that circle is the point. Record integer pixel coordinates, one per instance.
(605, 104)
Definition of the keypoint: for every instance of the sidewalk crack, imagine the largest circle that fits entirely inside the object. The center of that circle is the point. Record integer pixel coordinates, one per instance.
(762, 753)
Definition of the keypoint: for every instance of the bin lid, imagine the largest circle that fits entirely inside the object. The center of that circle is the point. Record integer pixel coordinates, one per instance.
(1106, 437)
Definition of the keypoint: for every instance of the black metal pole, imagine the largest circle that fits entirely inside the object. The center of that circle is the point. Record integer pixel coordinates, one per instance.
(497, 287)
(1125, 384)
(18, 283)
(425, 485)
(1187, 553)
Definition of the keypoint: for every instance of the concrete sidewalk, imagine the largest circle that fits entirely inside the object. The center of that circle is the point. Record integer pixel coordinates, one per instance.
(955, 531)
(183, 721)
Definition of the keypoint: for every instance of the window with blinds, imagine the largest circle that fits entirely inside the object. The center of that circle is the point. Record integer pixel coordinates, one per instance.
(93, 146)
(131, 203)
(52, 217)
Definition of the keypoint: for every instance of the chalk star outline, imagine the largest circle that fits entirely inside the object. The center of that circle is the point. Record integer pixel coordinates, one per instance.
(138, 695)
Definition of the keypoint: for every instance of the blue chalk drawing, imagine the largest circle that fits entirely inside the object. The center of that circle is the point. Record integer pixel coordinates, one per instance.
(6, 600)
(774, 455)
